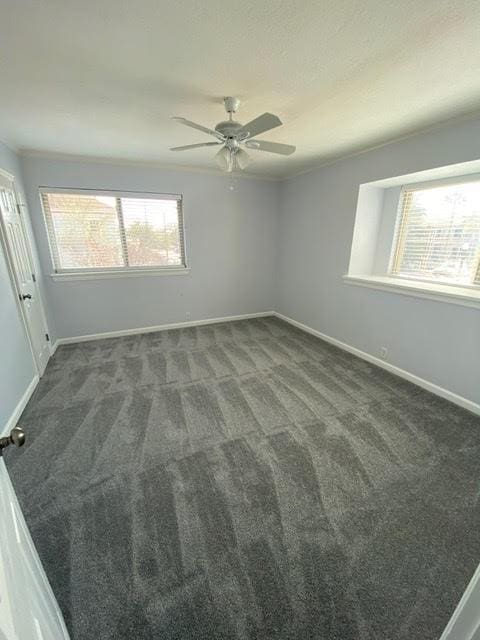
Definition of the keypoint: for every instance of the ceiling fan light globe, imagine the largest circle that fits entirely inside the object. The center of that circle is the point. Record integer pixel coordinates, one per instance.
(242, 159)
(222, 158)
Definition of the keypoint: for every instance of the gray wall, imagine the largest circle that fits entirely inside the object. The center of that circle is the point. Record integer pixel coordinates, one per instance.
(230, 244)
(17, 367)
(434, 340)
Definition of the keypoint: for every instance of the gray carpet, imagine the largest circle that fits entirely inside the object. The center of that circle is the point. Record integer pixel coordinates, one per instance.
(246, 481)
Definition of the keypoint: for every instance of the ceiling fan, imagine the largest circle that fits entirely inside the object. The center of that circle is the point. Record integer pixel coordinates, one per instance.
(231, 135)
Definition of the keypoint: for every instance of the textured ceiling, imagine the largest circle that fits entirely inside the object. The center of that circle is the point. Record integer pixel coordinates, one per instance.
(102, 78)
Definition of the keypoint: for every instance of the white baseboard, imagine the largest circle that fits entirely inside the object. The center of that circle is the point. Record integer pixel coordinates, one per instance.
(160, 327)
(402, 373)
(421, 382)
(465, 621)
(22, 403)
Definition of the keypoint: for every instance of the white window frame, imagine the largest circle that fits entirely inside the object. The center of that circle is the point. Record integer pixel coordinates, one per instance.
(114, 272)
(418, 186)
(370, 263)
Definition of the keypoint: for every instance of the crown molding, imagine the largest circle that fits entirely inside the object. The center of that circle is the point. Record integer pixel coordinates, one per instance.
(151, 164)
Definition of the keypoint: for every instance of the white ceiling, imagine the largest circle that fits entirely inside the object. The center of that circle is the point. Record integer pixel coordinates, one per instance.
(102, 77)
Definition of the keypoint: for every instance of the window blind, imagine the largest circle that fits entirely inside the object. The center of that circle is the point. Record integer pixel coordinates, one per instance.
(438, 234)
(102, 230)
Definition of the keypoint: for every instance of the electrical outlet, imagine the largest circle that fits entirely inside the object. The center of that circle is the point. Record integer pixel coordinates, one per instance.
(187, 315)
(383, 352)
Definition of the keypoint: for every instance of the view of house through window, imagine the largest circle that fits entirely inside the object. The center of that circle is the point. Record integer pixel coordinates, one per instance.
(438, 234)
(99, 232)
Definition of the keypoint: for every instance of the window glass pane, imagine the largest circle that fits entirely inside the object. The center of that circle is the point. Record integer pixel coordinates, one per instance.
(152, 232)
(85, 230)
(108, 231)
(439, 234)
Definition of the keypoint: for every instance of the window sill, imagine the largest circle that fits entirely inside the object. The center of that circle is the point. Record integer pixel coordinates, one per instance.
(442, 293)
(104, 275)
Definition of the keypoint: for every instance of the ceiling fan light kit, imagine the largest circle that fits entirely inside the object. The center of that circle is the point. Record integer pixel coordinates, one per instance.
(231, 135)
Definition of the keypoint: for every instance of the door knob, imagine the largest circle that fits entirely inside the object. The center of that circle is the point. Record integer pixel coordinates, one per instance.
(26, 296)
(16, 437)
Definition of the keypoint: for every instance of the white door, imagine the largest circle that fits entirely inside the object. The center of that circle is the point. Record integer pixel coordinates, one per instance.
(28, 608)
(19, 254)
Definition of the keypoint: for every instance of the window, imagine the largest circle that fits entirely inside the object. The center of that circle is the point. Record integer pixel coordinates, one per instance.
(99, 231)
(438, 234)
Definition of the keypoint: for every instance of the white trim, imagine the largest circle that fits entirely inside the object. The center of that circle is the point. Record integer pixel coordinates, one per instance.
(464, 296)
(394, 238)
(425, 384)
(124, 269)
(13, 274)
(68, 157)
(465, 620)
(118, 273)
(444, 181)
(7, 175)
(22, 403)
(406, 375)
(161, 327)
(332, 160)
(81, 191)
(456, 170)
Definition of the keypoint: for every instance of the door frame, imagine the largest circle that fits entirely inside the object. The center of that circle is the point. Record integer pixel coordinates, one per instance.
(11, 270)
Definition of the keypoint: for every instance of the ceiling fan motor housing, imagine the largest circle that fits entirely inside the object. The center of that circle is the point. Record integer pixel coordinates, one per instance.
(229, 128)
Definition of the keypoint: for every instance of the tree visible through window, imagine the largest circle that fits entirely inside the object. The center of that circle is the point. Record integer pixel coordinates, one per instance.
(96, 231)
(438, 236)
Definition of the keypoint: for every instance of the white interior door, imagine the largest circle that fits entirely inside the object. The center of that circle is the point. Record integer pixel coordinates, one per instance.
(20, 260)
(28, 608)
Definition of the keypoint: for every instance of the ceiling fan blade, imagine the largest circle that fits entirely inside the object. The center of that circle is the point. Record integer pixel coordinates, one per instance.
(271, 147)
(263, 123)
(224, 159)
(242, 159)
(195, 146)
(200, 127)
